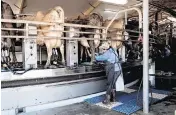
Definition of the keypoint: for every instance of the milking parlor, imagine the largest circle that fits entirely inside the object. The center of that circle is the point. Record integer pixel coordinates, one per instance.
(88, 57)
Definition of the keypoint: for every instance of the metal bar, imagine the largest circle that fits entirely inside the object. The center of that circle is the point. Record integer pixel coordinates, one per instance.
(24, 21)
(146, 56)
(65, 24)
(69, 38)
(80, 25)
(80, 32)
(117, 29)
(27, 28)
(126, 20)
(13, 29)
(137, 9)
(127, 30)
(52, 23)
(25, 14)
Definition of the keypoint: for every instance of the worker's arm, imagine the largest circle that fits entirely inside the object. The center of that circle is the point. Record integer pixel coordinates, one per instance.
(103, 57)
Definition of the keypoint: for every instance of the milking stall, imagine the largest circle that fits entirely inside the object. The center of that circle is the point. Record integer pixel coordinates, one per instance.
(51, 49)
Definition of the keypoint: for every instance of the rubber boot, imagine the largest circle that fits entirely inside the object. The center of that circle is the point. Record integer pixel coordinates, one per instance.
(113, 95)
(107, 100)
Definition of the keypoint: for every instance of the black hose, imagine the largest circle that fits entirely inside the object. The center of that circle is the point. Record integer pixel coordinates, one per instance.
(137, 98)
(14, 72)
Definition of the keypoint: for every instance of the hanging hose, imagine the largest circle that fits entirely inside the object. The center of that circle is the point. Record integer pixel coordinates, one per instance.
(5, 65)
(137, 98)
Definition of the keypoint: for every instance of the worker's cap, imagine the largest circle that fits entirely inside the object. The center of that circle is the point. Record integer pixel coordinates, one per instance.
(105, 45)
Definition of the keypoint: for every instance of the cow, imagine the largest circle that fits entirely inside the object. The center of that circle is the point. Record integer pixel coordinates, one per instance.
(94, 19)
(55, 14)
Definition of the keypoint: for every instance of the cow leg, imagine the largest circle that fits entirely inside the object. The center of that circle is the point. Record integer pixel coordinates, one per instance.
(49, 52)
(86, 55)
(82, 49)
(92, 47)
(96, 50)
(62, 54)
(13, 50)
(8, 56)
(88, 52)
(13, 47)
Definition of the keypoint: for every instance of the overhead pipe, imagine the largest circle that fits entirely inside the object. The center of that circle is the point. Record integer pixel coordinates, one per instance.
(121, 11)
(93, 6)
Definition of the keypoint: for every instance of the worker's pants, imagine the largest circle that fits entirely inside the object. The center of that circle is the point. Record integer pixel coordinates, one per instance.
(112, 77)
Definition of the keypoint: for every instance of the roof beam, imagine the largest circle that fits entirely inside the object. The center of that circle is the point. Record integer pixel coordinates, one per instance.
(19, 4)
(90, 9)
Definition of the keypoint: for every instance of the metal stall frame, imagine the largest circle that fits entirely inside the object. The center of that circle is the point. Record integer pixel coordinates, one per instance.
(61, 22)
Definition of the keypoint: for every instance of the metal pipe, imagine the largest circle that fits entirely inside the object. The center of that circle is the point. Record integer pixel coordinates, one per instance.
(126, 16)
(25, 14)
(25, 21)
(40, 54)
(81, 32)
(146, 56)
(70, 38)
(137, 9)
(51, 24)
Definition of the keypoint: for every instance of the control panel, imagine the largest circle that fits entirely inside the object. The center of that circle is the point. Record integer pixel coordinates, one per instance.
(30, 50)
(72, 48)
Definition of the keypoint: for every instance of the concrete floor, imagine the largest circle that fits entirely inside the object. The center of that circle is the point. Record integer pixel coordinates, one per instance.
(165, 107)
(75, 109)
(160, 109)
(86, 109)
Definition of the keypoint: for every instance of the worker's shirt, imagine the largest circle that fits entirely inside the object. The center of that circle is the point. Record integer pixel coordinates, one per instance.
(110, 56)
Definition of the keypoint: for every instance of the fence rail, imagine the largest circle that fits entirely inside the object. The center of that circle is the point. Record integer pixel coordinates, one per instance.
(103, 33)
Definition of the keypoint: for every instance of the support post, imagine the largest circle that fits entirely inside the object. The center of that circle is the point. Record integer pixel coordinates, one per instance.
(145, 56)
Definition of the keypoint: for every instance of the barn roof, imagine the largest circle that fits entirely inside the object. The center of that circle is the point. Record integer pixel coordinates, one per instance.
(74, 8)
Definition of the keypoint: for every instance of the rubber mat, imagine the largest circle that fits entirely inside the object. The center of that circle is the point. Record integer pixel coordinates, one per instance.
(128, 103)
